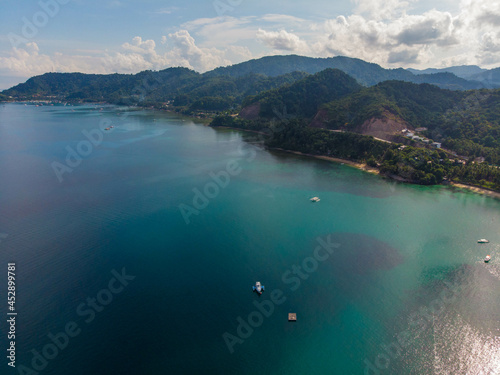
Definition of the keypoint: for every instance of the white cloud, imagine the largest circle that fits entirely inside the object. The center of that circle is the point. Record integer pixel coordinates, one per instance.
(384, 32)
(282, 18)
(282, 40)
(222, 31)
(380, 9)
(28, 61)
(429, 28)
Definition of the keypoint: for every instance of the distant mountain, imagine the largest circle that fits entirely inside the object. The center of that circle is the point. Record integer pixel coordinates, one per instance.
(367, 74)
(225, 87)
(489, 78)
(462, 71)
(180, 86)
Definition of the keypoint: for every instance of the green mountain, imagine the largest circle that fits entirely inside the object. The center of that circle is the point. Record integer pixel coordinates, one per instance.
(365, 73)
(462, 71)
(180, 86)
(223, 87)
(466, 123)
(301, 98)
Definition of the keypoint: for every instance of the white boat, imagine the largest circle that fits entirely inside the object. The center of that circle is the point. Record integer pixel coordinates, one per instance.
(315, 199)
(482, 240)
(258, 287)
(487, 259)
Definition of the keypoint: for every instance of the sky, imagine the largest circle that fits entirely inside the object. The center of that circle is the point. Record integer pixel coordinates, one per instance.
(128, 36)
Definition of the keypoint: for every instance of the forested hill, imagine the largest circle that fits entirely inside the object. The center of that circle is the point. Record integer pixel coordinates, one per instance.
(303, 98)
(365, 73)
(466, 123)
(223, 87)
(180, 87)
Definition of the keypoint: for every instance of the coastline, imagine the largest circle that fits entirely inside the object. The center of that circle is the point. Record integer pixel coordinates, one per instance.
(364, 167)
(361, 166)
(477, 189)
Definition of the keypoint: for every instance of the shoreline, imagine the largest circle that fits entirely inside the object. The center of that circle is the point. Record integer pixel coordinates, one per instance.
(477, 189)
(362, 166)
(375, 171)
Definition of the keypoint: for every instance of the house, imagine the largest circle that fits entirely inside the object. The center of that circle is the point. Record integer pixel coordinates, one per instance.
(410, 134)
(420, 129)
(436, 144)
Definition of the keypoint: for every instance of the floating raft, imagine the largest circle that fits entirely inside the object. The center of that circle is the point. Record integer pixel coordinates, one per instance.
(292, 317)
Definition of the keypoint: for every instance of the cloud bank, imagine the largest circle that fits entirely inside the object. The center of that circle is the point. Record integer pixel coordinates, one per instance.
(383, 32)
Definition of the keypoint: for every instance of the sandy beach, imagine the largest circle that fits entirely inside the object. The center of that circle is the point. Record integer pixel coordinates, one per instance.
(362, 166)
(478, 190)
(367, 168)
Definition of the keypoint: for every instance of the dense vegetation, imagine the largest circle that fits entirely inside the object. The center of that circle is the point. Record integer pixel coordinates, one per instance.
(181, 88)
(412, 164)
(365, 73)
(302, 98)
(465, 122)
(289, 91)
(229, 83)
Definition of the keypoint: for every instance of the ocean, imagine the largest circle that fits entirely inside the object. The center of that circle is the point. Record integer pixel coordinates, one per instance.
(136, 249)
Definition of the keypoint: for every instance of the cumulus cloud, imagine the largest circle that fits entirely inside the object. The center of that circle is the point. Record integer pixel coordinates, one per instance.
(384, 32)
(282, 40)
(179, 49)
(176, 49)
(380, 9)
(489, 50)
(405, 56)
(27, 61)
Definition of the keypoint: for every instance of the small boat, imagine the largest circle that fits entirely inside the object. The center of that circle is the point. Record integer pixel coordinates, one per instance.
(482, 240)
(315, 199)
(258, 287)
(487, 259)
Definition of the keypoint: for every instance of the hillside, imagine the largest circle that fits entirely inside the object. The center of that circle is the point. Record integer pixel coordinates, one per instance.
(182, 87)
(224, 87)
(467, 123)
(303, 97)
(365, 73)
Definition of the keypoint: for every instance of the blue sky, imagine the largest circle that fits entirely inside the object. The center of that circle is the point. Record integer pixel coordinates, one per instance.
(128, 36)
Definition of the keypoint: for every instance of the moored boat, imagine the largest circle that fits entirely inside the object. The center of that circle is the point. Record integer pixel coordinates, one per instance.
(482, 240)
(258, 287)
(487, 259)
(315, 199)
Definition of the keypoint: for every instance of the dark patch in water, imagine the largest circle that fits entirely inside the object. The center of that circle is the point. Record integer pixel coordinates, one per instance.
(361, 254)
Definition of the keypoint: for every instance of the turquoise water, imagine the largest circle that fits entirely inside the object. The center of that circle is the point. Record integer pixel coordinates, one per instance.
(404, 262)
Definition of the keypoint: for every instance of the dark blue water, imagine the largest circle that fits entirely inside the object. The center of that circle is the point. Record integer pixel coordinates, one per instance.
(399, 288)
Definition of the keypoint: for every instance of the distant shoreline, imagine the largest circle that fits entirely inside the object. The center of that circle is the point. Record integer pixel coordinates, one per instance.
(361, 166)
(364, 167)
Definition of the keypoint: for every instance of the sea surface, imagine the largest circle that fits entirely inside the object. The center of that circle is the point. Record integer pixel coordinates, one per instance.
(137, 253)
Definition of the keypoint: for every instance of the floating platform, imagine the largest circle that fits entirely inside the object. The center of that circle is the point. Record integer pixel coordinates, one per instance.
(292, 317)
